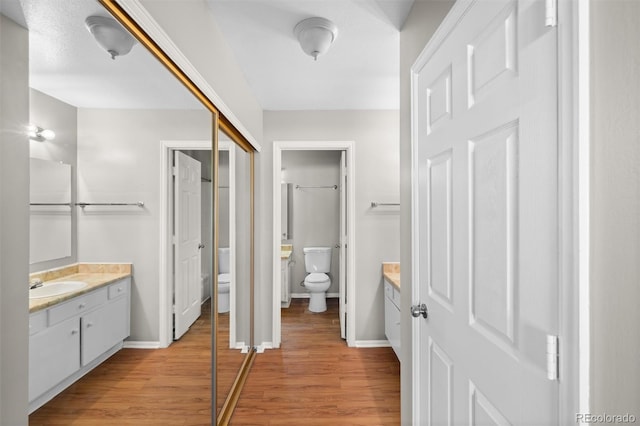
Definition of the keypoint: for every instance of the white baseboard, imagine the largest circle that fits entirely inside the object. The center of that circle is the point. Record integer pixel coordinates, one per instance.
(306, 295)
(265, 345)
(372, 344)
(130, 344)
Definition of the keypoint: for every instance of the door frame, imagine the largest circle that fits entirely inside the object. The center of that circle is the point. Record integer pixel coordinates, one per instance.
(573, 206)
(278, 148)
(166, 218)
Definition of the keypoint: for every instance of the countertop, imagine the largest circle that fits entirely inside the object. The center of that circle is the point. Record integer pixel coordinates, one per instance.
(96, 275)
(285, 251)
(391, 272)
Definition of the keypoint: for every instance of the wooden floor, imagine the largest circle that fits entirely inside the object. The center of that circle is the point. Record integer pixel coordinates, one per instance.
(315, 379)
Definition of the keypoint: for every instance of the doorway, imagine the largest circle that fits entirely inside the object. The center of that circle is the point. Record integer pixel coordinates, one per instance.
(346, 240)
(167, 201)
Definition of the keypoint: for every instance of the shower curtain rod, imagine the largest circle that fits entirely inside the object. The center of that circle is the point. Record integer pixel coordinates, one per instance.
(317, 187)
(376, 204)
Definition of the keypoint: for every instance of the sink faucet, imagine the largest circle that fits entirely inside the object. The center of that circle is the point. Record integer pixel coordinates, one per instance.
(35, 283)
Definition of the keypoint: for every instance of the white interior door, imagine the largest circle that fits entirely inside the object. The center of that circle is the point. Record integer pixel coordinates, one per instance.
(486, 253)
(187, 294)
(342, 270)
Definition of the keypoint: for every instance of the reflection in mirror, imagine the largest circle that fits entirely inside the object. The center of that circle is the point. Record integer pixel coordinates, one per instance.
(50, 216)
(111, 118)
(233, 280)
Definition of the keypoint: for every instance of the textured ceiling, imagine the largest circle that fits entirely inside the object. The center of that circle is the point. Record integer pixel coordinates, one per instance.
(66, 62)
(360, 70)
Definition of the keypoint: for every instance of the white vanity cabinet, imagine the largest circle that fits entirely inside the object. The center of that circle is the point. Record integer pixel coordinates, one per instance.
(69, 339)
(54, 355)
(392, 316)
(286, 271)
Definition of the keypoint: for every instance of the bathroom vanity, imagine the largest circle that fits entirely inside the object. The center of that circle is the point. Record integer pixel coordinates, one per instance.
(72, 333)
(286, 271)
(391, 275)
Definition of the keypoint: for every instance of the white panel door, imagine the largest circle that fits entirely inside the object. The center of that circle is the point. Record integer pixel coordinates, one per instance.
(485, 135)
(187, 258)
(342, 269)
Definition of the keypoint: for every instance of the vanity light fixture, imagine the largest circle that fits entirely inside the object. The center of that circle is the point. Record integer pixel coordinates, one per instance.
(39, 134)
(110, 35)
(315, 35)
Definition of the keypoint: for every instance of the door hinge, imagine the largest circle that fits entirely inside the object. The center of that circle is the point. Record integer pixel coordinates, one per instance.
(174, 240)
(551, 13)
(553, 356)
(174, 171)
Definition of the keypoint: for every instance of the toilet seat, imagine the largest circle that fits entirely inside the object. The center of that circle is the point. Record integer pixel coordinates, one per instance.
(316, 278)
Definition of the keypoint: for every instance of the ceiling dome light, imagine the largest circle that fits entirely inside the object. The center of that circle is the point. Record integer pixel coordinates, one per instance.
(110, 35)
(315, 35)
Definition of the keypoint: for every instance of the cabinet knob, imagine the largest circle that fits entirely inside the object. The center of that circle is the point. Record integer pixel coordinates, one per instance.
(74, 331)
(89, 324)
(81, 306)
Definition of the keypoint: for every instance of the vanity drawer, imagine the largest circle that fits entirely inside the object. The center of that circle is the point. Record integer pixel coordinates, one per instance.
(119, 288)
(77, 306)
(37, 322)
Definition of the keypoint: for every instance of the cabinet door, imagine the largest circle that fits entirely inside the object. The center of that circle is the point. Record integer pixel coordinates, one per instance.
(392, 324)
(104, 328)
(54, 354)
(284, 281)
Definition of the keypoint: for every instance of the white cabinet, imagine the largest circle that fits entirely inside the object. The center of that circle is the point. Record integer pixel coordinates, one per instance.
(71, 338)
(103, 328)
(54, 354)
(392, 316)
(286, 270)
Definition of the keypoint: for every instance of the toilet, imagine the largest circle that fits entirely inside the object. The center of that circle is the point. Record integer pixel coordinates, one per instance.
(317, 262)
(224, 279)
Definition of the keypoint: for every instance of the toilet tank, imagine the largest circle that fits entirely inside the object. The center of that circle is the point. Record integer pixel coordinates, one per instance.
(224, 257)
(317, 259)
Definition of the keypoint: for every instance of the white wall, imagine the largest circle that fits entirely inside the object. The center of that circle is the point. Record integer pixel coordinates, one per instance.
(14, 222)
(193, 29)
(424, 19)
(376, 179)
(119, 161)
(316, 212)
(615, 207)
(51, 113)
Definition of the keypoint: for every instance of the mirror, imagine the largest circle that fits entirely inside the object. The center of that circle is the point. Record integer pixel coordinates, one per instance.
(123, 111)
(50, 215)
(233, 280)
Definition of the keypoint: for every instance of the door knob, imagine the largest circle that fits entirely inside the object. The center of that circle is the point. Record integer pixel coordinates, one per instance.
(200, 246)
(417, 310)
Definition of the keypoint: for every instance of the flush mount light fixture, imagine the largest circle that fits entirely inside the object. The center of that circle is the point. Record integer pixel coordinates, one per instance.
(315, 35)
(110, 35)
(39, 134)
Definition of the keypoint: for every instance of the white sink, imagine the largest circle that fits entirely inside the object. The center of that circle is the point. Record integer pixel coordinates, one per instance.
(56, 289)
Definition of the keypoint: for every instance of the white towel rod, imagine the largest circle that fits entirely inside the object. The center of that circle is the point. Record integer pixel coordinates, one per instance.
(83, 205)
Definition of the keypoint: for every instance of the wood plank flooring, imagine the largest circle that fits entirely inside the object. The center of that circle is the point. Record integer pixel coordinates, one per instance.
(315, 379)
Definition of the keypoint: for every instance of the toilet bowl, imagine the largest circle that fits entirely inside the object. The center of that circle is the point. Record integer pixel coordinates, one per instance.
(317, 285)
(317, 262)
(224, 286)
(224, 279)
